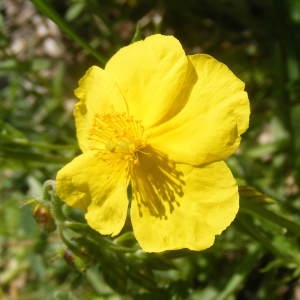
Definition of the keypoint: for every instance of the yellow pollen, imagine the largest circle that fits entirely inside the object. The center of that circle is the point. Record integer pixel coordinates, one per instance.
(118, 134)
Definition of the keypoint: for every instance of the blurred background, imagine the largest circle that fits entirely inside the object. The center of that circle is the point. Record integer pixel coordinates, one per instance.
(41, 61)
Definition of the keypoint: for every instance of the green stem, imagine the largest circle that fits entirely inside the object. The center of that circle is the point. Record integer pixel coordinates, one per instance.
(48, 188)
(137, 34)
(56, 206)
(97, 238)
(71, 244)
(44, 145)
(7, 152)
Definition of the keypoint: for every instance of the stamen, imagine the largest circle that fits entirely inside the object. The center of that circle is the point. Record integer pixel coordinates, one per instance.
(156, 183)
(116, 133)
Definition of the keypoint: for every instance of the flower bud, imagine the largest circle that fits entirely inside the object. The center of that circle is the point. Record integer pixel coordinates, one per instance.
(43, 217)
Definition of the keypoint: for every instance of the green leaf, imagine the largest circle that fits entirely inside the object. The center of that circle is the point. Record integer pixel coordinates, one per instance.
(10, 133)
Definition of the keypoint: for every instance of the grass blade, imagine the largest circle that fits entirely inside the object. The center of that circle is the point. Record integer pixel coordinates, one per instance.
(65, 27)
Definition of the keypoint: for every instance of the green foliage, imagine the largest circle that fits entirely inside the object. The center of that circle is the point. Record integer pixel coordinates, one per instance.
(256, 258)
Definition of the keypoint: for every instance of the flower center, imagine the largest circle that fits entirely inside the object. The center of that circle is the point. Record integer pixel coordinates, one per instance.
(119, 140)
(117, 134)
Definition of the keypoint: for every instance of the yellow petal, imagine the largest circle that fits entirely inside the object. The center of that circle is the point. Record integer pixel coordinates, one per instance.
(150, 74)
(208, 205)
(108, 217)
(98, 186)
(209, 126)
(98, 94)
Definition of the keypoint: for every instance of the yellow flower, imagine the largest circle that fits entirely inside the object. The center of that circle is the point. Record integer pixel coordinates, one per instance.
(162, 122)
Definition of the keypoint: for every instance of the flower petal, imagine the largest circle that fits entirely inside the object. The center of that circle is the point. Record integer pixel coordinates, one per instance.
(209, 126)
(98, 94)
(99, 186)
(208, 205)
(150, 74)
